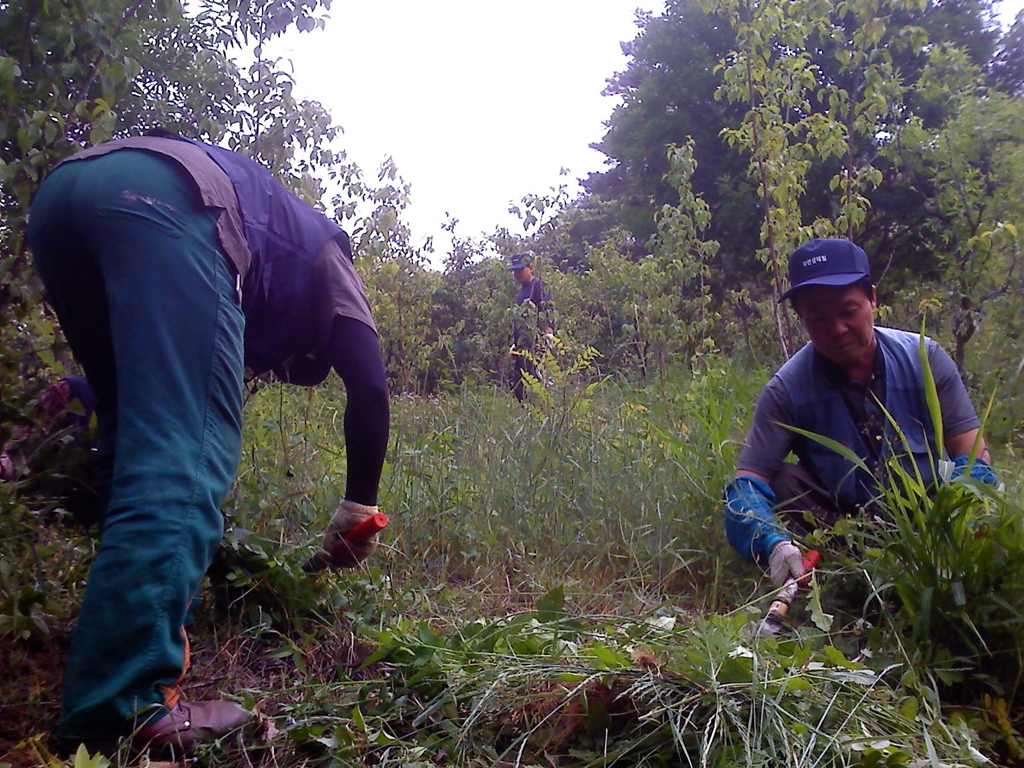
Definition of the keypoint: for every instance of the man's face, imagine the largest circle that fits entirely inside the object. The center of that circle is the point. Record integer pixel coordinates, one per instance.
(839, 321)
(524, 275)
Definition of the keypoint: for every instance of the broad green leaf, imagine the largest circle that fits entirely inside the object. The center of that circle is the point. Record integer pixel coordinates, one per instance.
(551, 606)
(611, 659)
(931, 395)
(909, 707)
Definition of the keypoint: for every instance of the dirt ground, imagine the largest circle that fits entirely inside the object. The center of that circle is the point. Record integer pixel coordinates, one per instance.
(31, 673)
(32, 669)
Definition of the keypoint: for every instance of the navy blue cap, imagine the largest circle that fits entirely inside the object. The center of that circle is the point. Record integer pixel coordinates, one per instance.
(826, 261)
(521, 261)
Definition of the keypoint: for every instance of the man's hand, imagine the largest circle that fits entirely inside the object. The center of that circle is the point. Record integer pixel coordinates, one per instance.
(981, 470)
(342, 552)
(785, 563)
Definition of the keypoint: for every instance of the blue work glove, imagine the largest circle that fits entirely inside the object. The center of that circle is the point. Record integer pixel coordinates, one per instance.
(750, 525)
(981, 470)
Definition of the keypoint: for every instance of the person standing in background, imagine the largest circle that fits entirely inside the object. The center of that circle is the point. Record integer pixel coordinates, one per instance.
(525, 342)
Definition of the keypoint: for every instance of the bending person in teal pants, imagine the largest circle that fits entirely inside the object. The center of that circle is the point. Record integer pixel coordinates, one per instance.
(171, 265)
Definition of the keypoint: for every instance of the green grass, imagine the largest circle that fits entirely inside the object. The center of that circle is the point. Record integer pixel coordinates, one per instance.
(554, 589)
(609, 487)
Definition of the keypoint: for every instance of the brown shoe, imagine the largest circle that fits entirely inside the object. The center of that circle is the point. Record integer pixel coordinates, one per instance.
(189, 723)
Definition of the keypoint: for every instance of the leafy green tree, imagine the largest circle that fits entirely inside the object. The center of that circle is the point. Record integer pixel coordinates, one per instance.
(667, 94)
(473, 301)
(73, 73)
(772, 74)
(1007, 66)
(681, 246)
(606, 305)
(970, 25)
(401, 293)
(969, 172)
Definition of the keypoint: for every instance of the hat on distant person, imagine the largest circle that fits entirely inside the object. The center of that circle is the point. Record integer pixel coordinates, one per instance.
(826, 261)
(521, 261)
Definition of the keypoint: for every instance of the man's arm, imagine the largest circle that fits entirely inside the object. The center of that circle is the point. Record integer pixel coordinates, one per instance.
(959, 448)
(769, 442)
(356, 355)
(962, 444)
(750, 524)
(960, 423)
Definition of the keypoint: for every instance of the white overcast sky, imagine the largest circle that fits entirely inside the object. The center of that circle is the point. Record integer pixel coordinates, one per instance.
(479, 102)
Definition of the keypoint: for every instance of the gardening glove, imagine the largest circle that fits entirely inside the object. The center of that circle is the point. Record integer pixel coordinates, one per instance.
(345, 553)
(981, 470)
(785, 563)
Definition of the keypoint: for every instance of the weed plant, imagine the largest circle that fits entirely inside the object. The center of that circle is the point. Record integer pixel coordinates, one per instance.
(543, 688)
(943, 575)
(588, 482)
(943, 581)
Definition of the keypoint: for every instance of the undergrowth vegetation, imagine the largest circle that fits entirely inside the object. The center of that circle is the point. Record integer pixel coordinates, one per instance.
(555, 589)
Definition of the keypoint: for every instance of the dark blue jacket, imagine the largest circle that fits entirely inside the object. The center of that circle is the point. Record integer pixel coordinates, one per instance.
(284, 236)
(818, 407)
(537, 292)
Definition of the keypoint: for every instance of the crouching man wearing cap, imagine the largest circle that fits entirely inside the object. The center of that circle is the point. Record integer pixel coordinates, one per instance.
(840, 385)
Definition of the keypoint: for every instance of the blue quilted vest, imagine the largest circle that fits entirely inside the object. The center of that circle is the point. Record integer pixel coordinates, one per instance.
(819, 408)
(284, 236)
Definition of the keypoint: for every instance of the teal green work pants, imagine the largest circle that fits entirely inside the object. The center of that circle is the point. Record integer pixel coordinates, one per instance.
(147, 300)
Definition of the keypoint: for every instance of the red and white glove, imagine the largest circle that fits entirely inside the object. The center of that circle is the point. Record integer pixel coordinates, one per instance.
(342, 552)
